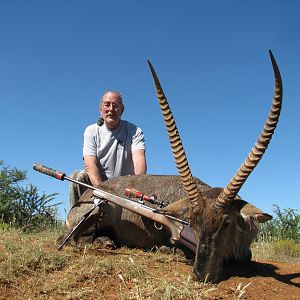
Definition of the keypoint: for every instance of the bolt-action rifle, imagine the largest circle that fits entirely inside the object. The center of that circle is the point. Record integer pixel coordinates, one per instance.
(180, 230)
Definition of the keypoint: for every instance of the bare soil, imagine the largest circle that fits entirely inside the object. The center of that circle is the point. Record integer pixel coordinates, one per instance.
(266, 279)
(251, 280)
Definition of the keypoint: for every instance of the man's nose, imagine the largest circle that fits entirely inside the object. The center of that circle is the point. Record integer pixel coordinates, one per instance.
(113, 106)
(110, 107)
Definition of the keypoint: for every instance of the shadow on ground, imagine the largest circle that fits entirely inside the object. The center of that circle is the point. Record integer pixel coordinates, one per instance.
(252, 269)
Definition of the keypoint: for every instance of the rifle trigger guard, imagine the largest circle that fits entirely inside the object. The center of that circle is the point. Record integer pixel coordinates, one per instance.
(158, 227)
(97, 201)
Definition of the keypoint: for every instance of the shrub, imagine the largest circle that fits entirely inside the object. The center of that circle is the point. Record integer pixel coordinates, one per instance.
(285, 226)
(22, 207)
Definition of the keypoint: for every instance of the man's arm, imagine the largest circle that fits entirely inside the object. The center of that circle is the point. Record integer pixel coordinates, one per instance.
(90, 167)
(139, 162)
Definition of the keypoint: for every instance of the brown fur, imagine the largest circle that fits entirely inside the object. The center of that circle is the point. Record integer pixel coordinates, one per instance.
(132, 230)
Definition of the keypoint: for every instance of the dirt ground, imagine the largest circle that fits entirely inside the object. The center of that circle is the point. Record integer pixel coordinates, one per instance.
(255, 280)
(252, 280)
(262, 280)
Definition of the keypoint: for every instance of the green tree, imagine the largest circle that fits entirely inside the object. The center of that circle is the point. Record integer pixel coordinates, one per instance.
(23, 207)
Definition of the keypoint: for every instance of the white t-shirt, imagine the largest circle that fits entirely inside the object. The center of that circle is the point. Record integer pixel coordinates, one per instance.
(113, 148)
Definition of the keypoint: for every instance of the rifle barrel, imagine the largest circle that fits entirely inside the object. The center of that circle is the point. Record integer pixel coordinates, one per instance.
(102, 194)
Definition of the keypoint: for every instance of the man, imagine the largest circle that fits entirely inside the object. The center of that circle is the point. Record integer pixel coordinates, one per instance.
(112, 147)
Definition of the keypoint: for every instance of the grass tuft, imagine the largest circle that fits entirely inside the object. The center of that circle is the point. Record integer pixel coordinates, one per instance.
(24, 254)
(283, 250)
(286, 248)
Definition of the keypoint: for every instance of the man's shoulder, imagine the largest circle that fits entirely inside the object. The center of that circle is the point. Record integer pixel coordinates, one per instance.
(92, 128)
(133, 130)
(130, 125)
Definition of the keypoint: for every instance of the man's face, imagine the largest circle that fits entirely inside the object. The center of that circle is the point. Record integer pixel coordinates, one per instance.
(111, 109)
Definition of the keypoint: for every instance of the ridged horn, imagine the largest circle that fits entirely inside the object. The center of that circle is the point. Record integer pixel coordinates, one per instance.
(234, 186)
(182, 164)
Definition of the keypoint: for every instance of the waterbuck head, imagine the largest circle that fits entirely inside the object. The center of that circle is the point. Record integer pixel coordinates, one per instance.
(215, 213)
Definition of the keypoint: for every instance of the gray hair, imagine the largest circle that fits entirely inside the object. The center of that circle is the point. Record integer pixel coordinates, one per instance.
(100, 120)
(114, 92)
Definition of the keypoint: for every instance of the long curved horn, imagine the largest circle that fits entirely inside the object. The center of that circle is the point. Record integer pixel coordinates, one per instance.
(182, 164)
(261, 145)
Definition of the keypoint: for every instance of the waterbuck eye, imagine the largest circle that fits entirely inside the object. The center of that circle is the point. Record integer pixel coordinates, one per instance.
(226, 222)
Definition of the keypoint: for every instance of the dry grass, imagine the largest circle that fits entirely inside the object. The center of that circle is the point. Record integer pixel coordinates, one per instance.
(31, 268)
(283, 250)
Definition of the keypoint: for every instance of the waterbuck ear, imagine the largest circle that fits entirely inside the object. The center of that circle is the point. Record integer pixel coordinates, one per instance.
(177, 208)
(249, 210)
(263, 217)
(239, 204)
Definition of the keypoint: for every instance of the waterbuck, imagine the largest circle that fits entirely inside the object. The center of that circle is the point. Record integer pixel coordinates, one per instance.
(224, 225)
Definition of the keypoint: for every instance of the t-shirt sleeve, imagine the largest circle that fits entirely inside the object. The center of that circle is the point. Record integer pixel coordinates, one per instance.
(89, 143)
(138, 140)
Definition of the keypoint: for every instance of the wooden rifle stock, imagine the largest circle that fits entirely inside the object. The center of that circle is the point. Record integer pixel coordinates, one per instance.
(180, 232)
(144, 211)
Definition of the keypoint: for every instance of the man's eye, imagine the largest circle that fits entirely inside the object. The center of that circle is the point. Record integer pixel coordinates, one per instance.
(115, 106)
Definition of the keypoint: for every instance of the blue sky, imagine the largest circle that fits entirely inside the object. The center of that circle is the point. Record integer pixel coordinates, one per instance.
(58, 57)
